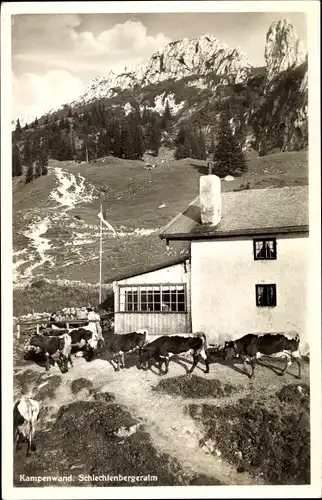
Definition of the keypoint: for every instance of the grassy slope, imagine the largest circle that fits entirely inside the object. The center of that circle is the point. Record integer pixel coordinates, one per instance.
(46, 297)
(133, 197)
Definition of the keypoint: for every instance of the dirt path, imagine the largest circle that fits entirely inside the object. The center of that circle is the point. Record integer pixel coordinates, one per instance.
(172, 431)
(163, 416)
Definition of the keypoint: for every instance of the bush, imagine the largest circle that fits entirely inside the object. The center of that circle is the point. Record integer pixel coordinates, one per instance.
(42, 296)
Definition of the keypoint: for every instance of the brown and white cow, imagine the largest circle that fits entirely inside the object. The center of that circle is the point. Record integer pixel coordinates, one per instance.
(120, 344)
(50, 346)
(166, 346)
(252, 347)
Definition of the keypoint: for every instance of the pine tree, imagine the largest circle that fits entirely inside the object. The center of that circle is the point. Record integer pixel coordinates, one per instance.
(18, 130)
(126, 140)
(70, 113)
(36, 122)
(35, 148)
(145, 116)
(212, 146)
(67, 124)
(202, 146)
(137, 136)
(103, 144)
(54, 144)
(166, 118)
(179, 141)
(153, 134)
(92, 148)
(116, 139)
(29, 173)
(43, 157)
(38, 167)
(179, 152)
(187, 146)
(44, 160)
(195, 146)
(27, 152)
(16, 161)
(84, 150)
(62, 124)
(228, 156)
(180, 135)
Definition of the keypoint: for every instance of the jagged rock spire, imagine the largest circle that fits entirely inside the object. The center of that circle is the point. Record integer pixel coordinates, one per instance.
(283, 48)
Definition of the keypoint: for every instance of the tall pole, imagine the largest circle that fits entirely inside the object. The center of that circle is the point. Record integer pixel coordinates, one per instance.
(101, 255)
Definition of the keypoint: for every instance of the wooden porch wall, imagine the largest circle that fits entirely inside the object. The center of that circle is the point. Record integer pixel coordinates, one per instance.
(157, 323)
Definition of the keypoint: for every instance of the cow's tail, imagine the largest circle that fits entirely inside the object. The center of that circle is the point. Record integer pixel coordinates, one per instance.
(34, 417)
(67, 344)
(145, 332)
(30, 422)
(146, 336)
(31, 428)
(203, 337)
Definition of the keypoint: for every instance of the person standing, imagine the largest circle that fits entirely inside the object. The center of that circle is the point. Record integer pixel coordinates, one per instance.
(94, 317)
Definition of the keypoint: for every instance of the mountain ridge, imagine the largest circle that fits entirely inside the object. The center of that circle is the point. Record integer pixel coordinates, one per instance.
(181, 58)
(201, 78)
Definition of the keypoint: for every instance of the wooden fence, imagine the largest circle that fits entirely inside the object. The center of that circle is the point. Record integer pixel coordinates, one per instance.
(29, 326)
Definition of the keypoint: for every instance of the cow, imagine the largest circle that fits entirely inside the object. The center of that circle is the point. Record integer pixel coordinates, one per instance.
(85, 337)
(119, 344)
(168, 345)
(252, 347)
(51, 345)
(81, 337)
(25, 417)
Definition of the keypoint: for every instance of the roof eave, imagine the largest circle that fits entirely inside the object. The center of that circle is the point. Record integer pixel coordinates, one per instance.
(147, 269)
(233, 233)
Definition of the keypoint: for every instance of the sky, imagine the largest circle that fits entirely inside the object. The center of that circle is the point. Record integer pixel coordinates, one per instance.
(54, 56)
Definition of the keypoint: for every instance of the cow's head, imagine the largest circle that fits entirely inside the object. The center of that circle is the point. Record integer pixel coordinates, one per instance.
(31, 348)
(35, 340)
(230, 350)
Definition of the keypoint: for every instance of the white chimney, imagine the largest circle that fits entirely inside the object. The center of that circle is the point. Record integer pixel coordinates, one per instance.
(210, 199)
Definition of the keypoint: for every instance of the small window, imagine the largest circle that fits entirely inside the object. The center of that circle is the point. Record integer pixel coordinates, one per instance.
(265, 295)
(265, 249)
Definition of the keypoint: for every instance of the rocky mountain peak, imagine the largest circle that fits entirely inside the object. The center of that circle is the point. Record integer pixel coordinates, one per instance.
(283, 48)
(183, 58)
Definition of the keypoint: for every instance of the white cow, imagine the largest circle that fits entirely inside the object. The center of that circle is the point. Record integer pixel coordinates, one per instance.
(25, 417)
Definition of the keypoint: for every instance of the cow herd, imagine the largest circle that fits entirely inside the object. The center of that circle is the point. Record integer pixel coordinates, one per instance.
(56, 345)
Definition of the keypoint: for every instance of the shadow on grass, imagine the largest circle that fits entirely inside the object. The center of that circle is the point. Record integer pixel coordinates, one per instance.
(238, 366)
(202, 169)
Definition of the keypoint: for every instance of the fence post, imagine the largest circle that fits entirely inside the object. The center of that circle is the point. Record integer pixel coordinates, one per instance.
(18, 331)
(37, 328)
(67, 326)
